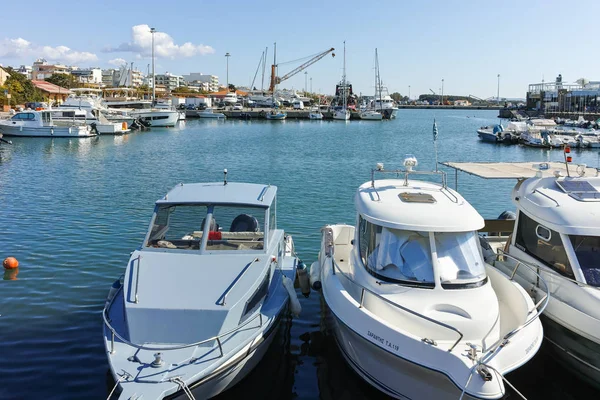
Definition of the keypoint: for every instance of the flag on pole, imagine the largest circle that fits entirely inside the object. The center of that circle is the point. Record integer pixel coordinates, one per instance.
(435, 131)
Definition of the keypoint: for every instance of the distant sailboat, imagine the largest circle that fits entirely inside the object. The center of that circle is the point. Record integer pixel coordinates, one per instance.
(343, 114)
(372, 114)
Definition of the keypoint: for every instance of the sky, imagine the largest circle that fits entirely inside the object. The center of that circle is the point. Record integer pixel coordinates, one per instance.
(420, 43)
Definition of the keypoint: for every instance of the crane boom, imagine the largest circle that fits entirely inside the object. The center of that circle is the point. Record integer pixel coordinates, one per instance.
(277, 80)
(433, 92)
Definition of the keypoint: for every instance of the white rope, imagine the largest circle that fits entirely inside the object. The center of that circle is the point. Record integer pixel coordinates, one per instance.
(123, 377)
(467, 384)
(183, 387)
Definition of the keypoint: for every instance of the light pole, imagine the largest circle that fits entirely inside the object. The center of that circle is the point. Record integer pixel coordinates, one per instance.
(227, 55)
(152, 31)
(305, 82)
(442, 91)
(498, 93)
(409, 93)
(311, 84)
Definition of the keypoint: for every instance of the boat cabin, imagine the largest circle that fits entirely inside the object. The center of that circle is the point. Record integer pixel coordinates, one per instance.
(419, 234)
(557, 222)
(229, 217)
(33, 118)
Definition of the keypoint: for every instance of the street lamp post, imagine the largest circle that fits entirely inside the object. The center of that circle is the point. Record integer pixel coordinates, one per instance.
(498, 93)
(227, 55)
(442, 91)
(152, 31)
(311, 84)
(305, 81)
(408, 92)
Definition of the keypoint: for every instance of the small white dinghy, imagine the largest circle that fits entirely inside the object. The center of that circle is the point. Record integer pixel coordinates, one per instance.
(201, 299)
(416, 311)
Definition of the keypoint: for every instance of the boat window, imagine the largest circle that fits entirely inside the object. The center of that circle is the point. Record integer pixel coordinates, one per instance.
(551, 252)
(459, 259)
(239, 228)
(177, 227)
(257, 299)
(273, 216)
(587, 250)
(396, 255)
(232, 228)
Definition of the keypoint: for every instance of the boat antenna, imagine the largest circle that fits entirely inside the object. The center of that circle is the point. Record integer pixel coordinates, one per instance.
(435, 135)
(225, 177)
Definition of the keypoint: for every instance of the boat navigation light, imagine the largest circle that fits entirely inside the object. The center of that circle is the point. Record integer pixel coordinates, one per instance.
(379, 166)
(410, 161)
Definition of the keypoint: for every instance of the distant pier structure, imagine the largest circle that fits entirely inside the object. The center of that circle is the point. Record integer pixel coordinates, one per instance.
(565, 100)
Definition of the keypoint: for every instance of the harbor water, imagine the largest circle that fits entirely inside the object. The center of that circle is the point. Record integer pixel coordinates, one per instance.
(72, 210)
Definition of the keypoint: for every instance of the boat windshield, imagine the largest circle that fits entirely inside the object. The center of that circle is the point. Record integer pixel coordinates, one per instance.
(405, 256)
(396, 255)
(587, 250)
(230, 228)
(459, 258)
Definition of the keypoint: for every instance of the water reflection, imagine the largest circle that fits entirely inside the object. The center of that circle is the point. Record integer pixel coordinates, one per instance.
(11, 274)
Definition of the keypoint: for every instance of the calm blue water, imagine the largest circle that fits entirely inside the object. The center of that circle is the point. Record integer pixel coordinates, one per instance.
(71, 211)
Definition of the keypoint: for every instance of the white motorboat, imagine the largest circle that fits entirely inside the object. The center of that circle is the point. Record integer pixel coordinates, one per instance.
(230, 99)
(201, 298)
(66, 115)
(401, 290)
(41, 124)
(276, 115)
(557, 231)
(371, 115)
(209, 113)
(315, 114)
(343, 114)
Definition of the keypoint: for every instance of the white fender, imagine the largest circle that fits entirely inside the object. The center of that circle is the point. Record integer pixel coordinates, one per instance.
(303, 279)
(315, 275)
(294, 302)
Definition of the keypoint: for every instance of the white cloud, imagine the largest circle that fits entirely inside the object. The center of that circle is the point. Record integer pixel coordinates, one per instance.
(117, 61)
(17, 48)
(164, 46)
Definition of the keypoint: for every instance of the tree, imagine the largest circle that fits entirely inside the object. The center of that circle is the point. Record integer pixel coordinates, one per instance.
(396, 96)
(63, 80)
(231, 87)
(183, 89)
(20, 88)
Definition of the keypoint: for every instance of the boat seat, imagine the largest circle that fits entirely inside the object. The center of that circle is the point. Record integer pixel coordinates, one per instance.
(244, 223)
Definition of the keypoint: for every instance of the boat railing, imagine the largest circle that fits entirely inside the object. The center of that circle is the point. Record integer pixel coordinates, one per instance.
(216, 338)
(406, 173)
(543, 302)
(408, 310)
(551, 272)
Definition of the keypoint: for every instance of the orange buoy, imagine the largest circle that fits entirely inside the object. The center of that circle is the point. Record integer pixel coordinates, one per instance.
(10, 263)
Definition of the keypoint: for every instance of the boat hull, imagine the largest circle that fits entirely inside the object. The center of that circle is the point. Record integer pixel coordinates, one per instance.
(56, 131)
(341, 115)
(276, 117)
(226, 378)
(389, 113)
(389, 373)
(487, 136)
(158, 118)
(579, 354)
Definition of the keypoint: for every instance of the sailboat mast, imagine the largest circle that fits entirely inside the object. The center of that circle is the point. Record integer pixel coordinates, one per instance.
(344, 79)
(378, 80)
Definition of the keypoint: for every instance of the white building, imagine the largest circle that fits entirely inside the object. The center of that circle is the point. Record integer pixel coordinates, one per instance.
(25, 70)
(88, 76)
(197, 78)
(169, 81)
(41, 70)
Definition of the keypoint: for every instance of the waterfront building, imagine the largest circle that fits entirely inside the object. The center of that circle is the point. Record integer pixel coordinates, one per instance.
(51, 92)
(169, 80)
(42, 70)
(89, 76)
(108, 77)
(579, 97)
(212, 81)
(25, 70)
